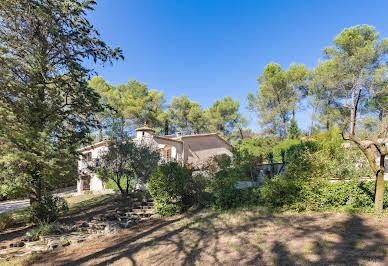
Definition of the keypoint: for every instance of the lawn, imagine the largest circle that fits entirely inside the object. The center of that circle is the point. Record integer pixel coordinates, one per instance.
(242, 236)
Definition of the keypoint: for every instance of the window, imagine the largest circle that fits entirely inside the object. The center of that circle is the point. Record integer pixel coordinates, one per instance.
(89, 156)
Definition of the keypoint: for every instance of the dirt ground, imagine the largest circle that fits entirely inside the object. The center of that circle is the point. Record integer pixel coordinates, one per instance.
(241, 237)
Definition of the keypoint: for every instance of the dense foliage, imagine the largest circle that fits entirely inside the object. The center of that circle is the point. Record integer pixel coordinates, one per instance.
(48, 210)
(127, 163)
(130, 105)
(278, 97)
(300, 195)
(174, 188)
(305, 184)
(46, 106)
(223, 186)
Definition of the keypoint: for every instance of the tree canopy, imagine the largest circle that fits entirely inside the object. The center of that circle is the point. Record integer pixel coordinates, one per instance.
(47, 107)
(278, 96)
(186, 116)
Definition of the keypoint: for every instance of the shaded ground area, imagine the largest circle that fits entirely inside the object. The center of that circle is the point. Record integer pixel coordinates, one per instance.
(243, 237)
(80, 208)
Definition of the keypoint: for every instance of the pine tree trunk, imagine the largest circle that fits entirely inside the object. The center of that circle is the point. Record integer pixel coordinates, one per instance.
(327, 119)
(285, 125)
(100, 135)
(36, 189)
(241, 133)
(312, 122)
(379, 189)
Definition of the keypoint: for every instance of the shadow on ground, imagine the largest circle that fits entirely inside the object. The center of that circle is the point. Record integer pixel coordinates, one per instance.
(241, 237)
(79, 212)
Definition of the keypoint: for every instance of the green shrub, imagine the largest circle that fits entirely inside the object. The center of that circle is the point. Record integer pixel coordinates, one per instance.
(44, 229)
(174, 188)
(354, 194)
(280, 193)
(283, 146)
(223, 186)
(47, 209)
(340, 162)
(6, 220)
(258, 147)
(223, 183)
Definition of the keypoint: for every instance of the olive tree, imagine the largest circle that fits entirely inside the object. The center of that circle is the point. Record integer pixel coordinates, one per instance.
(127, 163)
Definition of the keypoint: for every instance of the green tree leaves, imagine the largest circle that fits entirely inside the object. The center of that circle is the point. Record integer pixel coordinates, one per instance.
(128, 106)
(128, 163)
(186, 116)
(223, 117)
(47, 106)
(277, 98)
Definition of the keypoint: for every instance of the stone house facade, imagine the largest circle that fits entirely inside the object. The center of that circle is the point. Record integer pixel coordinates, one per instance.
(193, 150)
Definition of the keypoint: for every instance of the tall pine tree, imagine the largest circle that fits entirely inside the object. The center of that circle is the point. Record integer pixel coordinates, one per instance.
(47, 108)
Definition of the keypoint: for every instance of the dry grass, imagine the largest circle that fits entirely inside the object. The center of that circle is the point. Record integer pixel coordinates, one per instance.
(243, 237)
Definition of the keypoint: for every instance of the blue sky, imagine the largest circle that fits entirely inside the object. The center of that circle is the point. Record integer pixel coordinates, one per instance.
(211, 49)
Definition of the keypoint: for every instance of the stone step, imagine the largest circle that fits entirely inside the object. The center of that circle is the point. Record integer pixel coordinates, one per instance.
(143, 210)
(143, 204)
(133, 214)
(126, 218)
(128, 224)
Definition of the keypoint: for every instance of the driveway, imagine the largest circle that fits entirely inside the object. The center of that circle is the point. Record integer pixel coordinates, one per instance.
(11, 205)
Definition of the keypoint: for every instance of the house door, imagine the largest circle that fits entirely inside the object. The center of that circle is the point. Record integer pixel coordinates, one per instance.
(85, 183)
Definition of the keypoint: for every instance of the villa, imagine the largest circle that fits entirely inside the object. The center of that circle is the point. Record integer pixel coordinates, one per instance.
(193, 150)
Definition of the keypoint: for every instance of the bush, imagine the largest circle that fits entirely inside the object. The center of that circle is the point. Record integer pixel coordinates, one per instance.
(354, 194)
(47, 209)
(43, 229)
(299, 184)
(340, 162)
(258, 147)
(223, 183)
(278, 192)
(225, 195)
(6, 220)
(283, 146)
(12, 190)
(174, 188)
(315, 195)
(246, 163)
(223, 186)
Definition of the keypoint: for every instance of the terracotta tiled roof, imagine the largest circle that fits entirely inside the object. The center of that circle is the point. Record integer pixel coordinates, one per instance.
(167, 138)
(95, 145)
(144, 128)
